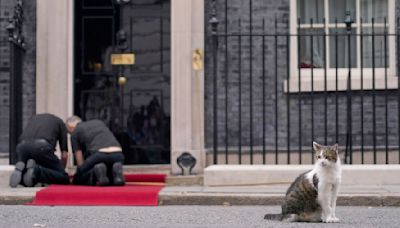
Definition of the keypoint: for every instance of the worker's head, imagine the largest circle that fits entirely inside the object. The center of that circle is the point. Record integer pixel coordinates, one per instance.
(71, 123)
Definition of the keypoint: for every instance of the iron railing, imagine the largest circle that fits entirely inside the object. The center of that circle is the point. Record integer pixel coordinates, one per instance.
(17, 49)
(269, 104)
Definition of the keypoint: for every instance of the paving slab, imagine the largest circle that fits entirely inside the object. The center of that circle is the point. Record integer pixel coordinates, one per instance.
(17, 196)
(244, 194)
(354, 195)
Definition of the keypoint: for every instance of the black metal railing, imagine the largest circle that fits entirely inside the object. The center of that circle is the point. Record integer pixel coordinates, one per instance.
(17, 49)
(274, 91)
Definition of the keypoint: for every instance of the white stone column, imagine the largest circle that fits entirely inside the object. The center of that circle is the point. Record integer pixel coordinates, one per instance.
(54, 60)
(187, 85)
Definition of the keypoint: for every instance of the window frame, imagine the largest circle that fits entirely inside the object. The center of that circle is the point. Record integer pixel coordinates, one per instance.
(319, 73)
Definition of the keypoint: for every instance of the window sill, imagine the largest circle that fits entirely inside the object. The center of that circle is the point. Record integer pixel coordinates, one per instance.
(319, 84)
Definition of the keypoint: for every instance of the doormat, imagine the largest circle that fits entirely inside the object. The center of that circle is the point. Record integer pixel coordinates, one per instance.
(140, 190)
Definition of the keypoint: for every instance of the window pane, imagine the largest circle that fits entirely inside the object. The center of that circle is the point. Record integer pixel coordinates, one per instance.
(314, 43)
(378, 51)
(338, 9)
(339, 48)
(307, 9)
(377, 9)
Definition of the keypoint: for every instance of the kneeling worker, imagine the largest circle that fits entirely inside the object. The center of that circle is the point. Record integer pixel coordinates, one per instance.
(36, 161)
(97, 152)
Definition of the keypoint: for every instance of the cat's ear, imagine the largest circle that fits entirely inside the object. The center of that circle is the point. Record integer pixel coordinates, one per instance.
(336, 148)
(316, 146)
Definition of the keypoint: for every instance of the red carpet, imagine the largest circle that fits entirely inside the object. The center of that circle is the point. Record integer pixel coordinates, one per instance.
(143, 193)
(145, 177)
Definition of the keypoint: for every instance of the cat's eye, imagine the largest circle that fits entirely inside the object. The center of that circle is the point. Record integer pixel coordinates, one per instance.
(319, 156)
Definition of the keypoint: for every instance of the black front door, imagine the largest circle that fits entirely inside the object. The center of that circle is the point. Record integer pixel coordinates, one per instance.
(136, 109)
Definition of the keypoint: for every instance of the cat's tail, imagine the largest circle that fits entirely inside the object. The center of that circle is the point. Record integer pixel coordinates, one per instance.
(273, 216)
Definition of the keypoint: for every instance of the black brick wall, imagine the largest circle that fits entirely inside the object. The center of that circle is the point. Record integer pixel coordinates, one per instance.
(29, 66)
(268, 10)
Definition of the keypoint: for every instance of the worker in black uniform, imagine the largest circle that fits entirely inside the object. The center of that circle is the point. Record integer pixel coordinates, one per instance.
(36, 161)
(97, 152)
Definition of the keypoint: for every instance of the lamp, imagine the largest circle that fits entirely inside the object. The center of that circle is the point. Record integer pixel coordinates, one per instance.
(348, 21)
(186, 162)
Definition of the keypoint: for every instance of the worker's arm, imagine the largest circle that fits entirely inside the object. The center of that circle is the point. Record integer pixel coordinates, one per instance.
(64, 158)
(79, 158)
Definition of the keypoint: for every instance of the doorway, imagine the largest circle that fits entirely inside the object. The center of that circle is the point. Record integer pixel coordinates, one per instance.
(137, 109)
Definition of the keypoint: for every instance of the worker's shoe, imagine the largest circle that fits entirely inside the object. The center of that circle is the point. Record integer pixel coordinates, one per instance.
(29, 176)
(100, 171)
(118, 176)
(16, 175)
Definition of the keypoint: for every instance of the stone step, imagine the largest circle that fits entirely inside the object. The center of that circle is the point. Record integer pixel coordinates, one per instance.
(236, 175)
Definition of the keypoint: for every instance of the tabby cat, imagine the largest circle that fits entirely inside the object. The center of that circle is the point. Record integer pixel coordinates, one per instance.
(312, 196)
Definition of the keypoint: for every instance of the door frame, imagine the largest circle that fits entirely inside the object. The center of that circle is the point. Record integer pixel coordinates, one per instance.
(54, 71)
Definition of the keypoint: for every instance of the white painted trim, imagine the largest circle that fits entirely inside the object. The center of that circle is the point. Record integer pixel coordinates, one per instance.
(293, 40)
(392, 42)
(319, 85)
(187, 85)
(358, 29)
(41, 55)
(70, 74)
(70, 109)
(54, 57)
(319, 82)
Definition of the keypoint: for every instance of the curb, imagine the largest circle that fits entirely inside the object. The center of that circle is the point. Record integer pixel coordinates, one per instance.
(15, 200)
(227, 199)
(218, 199)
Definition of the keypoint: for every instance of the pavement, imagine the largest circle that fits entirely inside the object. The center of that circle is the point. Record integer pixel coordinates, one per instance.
(349, 195)
(190, 190)
(354, 195)
(17, 196)
(185, 217)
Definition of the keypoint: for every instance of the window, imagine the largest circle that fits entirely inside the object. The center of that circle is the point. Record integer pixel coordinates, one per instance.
(310, 55)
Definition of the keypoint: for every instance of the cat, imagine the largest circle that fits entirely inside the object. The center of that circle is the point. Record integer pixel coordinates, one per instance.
(312, 196)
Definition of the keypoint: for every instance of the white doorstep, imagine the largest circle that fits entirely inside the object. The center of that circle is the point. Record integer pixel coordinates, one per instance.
(5, 172)
(234, 175)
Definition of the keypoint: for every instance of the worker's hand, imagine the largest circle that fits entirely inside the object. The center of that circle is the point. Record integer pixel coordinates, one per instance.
(64, 158)
(79, 158)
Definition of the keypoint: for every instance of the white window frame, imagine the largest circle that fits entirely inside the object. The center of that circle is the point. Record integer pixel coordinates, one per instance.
(319, 74)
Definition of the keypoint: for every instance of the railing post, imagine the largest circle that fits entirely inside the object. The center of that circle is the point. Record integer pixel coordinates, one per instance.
(373, 92)
(276, 90)
(226, 84)
(386, 96)
(362, 89)
(214, 34)
(16, 42)
(299, 88)
(288, 90)
(348, 21)
(398, 85)
(263, 93)
(251, 79)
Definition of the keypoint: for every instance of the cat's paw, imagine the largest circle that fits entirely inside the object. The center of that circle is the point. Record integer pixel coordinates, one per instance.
(330, 220)
(335, 219)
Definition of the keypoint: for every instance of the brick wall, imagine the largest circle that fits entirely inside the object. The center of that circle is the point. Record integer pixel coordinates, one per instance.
(268, 10)
(6, 11)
